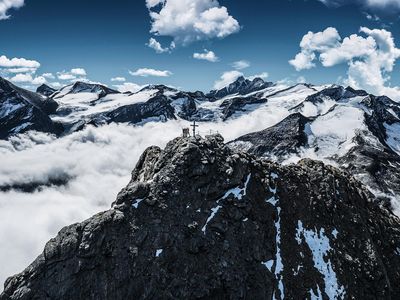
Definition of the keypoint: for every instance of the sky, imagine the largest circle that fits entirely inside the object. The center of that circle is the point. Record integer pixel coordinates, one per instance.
(201, 44)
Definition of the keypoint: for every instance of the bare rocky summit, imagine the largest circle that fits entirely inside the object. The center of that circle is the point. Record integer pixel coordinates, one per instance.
(201, 221)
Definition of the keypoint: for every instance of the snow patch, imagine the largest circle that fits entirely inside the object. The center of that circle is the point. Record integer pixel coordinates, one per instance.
(238, 192)
(213, 213)
(137, 202)
(158, 252)
(269, 264)
(319, 245)
(393, 136)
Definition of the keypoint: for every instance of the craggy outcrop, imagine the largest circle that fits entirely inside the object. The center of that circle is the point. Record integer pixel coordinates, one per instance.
(199, 221)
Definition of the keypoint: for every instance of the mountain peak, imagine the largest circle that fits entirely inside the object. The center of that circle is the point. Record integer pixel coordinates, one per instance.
(241, 86)
(45, 90)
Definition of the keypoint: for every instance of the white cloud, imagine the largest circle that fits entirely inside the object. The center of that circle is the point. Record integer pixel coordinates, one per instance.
(206, 55)
(31, 219)
(21, 70)
(351, 47)
(48, 75)
(241, 64)
(263, 75)
(65, 76)
(118, 79)
(370, 57)
(152, 3)
(73, 75)
(312, 42)
(187, 21)
(154, 44)
(226, 79)
(79, 72)
(7, 63)
(303, 61)
(390, 6)
(146, 72)
(128, 87)
(5, 5)
(28, 78)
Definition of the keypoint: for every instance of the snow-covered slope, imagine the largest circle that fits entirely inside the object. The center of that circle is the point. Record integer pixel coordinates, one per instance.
(347, 127)
(22, 110)
(351, 129)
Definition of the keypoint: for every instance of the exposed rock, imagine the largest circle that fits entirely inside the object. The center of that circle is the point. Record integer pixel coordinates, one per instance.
(22, 110)
(199, 221)
(240, 86)
(45, 90)
(284, 138)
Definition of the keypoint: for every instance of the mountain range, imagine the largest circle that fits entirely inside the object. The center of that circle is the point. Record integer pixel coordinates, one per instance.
(306, 208)
(350, 129)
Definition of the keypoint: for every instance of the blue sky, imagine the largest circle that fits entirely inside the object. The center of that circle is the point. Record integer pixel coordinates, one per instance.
(108, 40)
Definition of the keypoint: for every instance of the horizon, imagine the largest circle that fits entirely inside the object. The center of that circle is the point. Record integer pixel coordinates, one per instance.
(132, 43)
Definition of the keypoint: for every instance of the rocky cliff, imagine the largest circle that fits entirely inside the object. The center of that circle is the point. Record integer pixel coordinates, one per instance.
(201, 221)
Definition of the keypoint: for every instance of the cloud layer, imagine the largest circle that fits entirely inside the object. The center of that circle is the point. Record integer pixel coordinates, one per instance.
(370, 56)
(29, 220)
(187, 21)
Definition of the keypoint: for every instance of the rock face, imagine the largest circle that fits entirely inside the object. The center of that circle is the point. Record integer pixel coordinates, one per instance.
(45, 90)
(22, 110)
(241, 86)
(349, 128)
(285, 137)
(200, 221)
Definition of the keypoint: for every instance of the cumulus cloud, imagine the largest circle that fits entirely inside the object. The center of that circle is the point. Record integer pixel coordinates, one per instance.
(78, 72)
(28, 78)
(187, 21)
(241, 64)
(128, 87)
(206, 55)
(314, 42)
(263, 75)
(17, 63)
(154, 44)
(227, 78)
(6, 5)
(146, 72)
(73, 75)
(388, 6)
(48, 75)
(370, 56)
(118, 79)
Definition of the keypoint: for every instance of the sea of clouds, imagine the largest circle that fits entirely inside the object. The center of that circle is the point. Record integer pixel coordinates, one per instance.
(98, 162)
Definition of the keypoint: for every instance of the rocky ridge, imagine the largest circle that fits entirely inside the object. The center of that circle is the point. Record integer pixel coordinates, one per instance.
(201, 221)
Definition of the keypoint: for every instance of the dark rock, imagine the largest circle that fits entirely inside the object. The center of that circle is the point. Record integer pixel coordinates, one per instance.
(45, 90)
(284, 138)
(240, 86)
(22, 110)
(215, 224)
